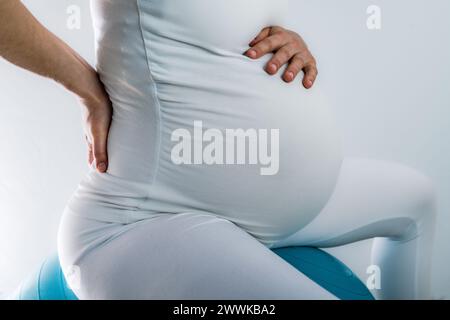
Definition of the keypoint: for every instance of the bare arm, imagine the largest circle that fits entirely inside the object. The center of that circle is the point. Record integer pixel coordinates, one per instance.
(28, 44)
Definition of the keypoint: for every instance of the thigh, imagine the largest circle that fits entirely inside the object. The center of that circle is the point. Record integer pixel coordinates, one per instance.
(372, 198)
(188, 256)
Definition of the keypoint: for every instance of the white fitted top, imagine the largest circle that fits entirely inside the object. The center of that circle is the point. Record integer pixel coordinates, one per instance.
(168, 64)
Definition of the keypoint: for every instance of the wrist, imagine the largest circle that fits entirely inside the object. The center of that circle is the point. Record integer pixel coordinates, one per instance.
(85, 83)
(91, 89)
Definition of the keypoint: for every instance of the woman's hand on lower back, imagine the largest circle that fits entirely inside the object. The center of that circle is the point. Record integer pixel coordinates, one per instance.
(28, 44)
(97, 115)
(288, 48)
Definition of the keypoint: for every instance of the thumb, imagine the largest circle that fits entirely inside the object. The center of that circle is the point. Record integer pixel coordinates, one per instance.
(100, 153)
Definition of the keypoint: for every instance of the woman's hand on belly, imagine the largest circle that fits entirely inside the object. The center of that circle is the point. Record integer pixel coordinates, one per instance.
(288, 48)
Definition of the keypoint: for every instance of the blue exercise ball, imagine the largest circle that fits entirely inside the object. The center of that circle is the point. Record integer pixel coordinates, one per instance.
(327, 271)
(48, 283)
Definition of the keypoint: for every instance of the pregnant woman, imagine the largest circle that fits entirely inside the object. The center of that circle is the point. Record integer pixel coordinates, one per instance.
(202, 159)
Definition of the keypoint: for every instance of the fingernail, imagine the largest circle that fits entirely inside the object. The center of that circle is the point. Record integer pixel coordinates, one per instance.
(272, 68)
(251, 53)
(101, 166)
(310, 83)
(289, 76)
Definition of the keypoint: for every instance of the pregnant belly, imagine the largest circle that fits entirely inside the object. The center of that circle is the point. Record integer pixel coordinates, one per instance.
(285, 169)
(178, 71)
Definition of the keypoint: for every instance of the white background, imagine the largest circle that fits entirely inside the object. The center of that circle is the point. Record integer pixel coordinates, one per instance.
(390, 90)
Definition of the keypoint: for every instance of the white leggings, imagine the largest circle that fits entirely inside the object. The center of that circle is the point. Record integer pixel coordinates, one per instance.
(202, 256)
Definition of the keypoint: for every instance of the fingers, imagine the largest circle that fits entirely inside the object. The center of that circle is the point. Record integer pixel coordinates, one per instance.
(262, 35)
(297, 64)
(90, 155)
(305, 62)
(90, 150)
(267, 45)
(289, 49)
(280, 58)
(99, 145)
(310, 74)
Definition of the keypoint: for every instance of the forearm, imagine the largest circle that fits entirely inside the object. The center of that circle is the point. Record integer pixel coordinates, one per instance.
(28, 44)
